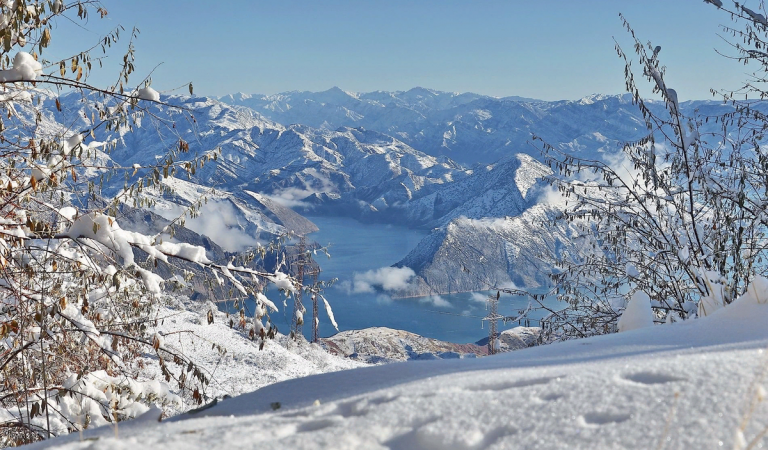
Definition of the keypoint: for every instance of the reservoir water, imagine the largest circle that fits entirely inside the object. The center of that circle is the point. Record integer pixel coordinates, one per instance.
(356, 248)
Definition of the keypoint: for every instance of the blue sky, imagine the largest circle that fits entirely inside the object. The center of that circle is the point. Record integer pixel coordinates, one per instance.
(556, 49)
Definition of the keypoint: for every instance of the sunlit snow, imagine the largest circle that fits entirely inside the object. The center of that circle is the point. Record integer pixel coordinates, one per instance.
(694, 384)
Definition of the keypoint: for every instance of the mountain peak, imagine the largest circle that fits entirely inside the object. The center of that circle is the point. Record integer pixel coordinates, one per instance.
(420, 91)
(594, 98)
(334, 95)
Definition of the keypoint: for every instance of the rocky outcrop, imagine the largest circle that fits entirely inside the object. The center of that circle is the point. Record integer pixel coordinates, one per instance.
(382, 345)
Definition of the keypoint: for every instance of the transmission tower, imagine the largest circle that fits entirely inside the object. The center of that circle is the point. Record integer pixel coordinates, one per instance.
(304, 266)
(492, 318)
(315, 318)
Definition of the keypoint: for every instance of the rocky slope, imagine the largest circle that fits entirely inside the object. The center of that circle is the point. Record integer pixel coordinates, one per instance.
(383, 345)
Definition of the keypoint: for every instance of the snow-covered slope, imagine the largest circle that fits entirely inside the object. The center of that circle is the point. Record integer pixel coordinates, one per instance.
(504, 189)
(243, 367)
(236, 220)
(696, 384)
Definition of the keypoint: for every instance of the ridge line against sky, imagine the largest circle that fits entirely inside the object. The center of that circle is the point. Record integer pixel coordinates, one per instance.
(549, 50)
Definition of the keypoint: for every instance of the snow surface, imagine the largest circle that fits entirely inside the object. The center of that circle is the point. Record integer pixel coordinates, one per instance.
(684, 385)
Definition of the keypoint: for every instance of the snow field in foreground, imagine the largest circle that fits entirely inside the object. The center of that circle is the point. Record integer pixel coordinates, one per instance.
(680, 386)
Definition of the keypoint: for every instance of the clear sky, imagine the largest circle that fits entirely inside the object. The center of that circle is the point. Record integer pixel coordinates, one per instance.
(547, 49)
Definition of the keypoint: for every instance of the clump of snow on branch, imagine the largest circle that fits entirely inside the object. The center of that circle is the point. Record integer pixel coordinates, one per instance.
(330, 313)
(638, 313)
(147, 93)
(25, 68)
(757, 17)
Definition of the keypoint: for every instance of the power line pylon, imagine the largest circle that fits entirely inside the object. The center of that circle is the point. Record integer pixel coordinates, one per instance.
(492, 318)
(304, 266)
(315, 318)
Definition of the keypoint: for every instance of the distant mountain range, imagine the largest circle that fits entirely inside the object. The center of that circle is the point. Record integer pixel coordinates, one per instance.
(468, 128)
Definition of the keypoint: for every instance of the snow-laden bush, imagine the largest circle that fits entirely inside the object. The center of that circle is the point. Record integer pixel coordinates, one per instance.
(680, 214)
(76, 298)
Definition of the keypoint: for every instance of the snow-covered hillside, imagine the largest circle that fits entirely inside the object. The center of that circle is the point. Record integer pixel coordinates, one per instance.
(386, 345)
(694, 384)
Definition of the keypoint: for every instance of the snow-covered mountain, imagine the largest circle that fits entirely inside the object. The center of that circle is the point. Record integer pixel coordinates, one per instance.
(265, 168)
(377, 178)
(480, 254)
(381, 157)
(490, 231)
(506, 188)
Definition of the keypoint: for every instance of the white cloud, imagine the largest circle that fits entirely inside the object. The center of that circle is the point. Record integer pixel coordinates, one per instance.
(218, 220)
(479, 297)
(384, 278)
(344, 285)
(291, 197)
(436, 300)
(550, 195)
(316, 182)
